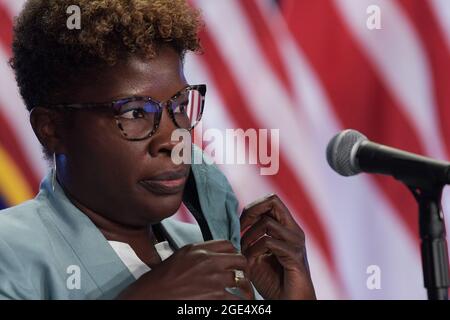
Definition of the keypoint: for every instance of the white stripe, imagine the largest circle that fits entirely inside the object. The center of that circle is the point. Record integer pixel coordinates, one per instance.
(13, 6)
(305, 154)
(245, 179)
(17, 115)
(441, 10)
(398, 56)
(196, 104)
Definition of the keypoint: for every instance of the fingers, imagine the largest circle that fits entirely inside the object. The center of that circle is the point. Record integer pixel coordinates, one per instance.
(266, 225)
(270, 228)
(219, 246)
(219, 254)
(270, 205)
(216, 256)
(229, 280)
(243, 284)
(222, 272)
(291, 258)
(227, 261)
(246, 289)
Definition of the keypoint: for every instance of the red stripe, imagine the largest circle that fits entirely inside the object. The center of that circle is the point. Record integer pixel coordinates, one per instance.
(438, 54)
(5, 30)
(358, 96)
(13, 148)
(185, 215)
(289, 187)
(7, 139)
(268, 45)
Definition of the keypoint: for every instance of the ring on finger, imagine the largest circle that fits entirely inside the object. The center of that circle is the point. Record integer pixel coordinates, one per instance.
(238, 275)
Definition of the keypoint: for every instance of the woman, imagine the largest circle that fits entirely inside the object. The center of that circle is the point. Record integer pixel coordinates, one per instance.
(104, 101)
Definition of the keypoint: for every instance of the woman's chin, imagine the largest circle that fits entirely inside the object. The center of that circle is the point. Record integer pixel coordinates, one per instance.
(163, 208)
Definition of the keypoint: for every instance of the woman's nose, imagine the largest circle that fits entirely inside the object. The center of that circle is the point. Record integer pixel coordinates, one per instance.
(161, 142)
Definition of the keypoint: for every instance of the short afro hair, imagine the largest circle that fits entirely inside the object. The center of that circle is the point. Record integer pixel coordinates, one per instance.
(47, 56)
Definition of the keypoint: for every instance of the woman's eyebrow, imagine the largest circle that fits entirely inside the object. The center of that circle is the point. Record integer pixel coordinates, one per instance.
(142, 93)
(132, 90)
(130, 94)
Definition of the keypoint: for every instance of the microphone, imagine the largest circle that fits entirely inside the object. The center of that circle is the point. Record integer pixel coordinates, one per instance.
(350, 153)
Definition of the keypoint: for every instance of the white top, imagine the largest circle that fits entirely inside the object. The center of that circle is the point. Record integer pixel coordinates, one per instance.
(136, 266)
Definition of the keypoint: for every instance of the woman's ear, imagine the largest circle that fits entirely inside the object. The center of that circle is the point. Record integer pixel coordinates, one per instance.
(47, 125)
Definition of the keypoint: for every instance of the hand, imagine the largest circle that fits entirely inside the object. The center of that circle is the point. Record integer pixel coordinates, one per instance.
(196, 271)
(275, 249)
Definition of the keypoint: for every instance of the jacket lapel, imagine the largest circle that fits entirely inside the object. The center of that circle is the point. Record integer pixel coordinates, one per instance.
(99, 261)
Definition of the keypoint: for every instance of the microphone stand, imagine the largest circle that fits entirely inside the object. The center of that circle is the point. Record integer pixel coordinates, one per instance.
(433, 243)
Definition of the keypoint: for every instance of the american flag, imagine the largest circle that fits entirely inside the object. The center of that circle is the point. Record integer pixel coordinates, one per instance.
(309, 68)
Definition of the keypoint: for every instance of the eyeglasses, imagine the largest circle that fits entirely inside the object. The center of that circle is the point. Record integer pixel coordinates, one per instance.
(138, 118)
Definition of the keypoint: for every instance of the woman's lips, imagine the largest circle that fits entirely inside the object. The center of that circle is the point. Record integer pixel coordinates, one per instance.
(164, 187)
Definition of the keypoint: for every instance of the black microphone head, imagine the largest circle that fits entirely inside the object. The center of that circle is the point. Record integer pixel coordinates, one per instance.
(341, 152)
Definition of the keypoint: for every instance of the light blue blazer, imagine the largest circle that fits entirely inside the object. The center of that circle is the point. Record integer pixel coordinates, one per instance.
(44, 239)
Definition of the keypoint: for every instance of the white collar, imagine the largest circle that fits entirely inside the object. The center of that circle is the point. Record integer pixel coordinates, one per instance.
(134, 264)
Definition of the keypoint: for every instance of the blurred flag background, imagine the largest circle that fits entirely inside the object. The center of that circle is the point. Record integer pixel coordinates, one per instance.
(309, 68)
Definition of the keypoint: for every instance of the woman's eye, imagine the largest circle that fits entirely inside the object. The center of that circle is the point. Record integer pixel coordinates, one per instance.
(133, 114)
(181, 108)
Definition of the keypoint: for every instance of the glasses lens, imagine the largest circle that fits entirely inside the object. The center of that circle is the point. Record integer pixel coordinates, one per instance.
(187, 109)
(137, 118)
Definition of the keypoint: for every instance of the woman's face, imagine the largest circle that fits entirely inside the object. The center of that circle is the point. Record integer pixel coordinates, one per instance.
(105, 172)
